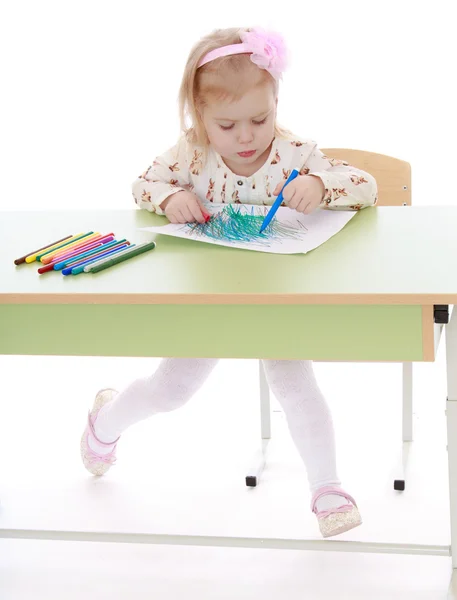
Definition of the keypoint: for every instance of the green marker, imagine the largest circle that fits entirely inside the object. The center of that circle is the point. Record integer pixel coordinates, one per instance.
(125, 255)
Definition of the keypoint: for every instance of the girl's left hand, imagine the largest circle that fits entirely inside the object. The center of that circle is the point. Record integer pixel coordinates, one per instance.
(304, 194)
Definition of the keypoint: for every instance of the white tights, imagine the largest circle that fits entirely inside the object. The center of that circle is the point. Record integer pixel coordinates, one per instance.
(178, 379)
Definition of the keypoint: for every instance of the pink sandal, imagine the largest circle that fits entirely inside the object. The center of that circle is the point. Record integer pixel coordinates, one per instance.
(336, 520)
(97, 464)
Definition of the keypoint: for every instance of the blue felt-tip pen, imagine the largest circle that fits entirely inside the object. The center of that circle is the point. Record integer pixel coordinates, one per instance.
(277, 202)
(69, 270)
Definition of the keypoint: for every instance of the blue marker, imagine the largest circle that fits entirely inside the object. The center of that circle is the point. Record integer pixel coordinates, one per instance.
(68, 270)
(95, 261)
(277, 203)
(78, 257)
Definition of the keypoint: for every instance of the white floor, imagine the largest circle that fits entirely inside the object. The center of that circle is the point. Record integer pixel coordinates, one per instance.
(184, 473)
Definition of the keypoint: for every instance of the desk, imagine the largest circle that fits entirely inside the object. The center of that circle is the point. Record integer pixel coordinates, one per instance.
(367, 294)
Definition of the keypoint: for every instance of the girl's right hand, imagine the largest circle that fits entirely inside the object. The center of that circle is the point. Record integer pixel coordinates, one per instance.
(183, 207)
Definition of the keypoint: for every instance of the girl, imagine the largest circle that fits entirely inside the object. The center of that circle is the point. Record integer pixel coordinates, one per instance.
(233, 151)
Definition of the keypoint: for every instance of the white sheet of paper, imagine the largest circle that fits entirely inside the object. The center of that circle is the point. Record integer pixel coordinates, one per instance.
(238, 226)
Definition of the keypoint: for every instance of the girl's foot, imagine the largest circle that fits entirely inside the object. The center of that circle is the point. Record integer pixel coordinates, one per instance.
(97, 456)
(336, 519)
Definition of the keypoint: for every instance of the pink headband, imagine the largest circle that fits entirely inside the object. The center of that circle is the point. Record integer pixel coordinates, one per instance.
(267, 50)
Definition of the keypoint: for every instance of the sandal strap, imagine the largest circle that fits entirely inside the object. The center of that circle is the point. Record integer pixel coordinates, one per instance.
(92, 430)
(327, 490)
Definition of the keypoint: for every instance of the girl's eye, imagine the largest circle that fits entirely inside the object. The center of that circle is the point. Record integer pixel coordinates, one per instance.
(233, 125)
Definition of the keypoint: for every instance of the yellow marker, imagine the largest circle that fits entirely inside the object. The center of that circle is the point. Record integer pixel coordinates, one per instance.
(33, 257)
(49, 255)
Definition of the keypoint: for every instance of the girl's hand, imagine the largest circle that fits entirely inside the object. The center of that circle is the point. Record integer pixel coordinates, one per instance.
(183, 207)
(304, 194)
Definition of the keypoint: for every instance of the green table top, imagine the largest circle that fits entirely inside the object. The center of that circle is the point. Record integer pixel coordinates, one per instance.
(385, 255)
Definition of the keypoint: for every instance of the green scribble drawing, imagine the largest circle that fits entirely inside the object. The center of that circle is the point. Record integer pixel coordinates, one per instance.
(239, 224)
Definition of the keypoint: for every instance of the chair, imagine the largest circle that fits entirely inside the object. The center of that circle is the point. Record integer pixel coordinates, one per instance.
(393, 177)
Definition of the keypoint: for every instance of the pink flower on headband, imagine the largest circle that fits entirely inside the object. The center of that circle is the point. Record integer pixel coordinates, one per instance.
(268, 50)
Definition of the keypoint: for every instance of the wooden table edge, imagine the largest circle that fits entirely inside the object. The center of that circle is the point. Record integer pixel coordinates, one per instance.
(228, 298)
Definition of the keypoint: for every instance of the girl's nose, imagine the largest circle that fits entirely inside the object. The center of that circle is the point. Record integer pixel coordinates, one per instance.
(246, 135)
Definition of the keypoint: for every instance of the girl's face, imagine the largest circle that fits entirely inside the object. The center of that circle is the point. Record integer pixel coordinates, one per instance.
(242, 131)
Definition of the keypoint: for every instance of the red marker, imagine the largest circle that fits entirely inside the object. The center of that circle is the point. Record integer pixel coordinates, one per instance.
(50, 265)
(207, 216)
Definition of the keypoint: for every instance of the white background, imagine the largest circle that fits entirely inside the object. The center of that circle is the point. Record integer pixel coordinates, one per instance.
(87, 99)
(89, 88)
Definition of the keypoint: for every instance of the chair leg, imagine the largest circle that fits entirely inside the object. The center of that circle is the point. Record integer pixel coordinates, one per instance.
(407, 425)
(259, 459)
(401, 470)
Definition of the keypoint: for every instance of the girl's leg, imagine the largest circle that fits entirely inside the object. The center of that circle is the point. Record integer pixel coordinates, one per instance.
(170, 387)
(308, 417)
(310, 424)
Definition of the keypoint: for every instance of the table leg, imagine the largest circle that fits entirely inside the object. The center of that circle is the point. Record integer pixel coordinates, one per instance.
(407, 416)
(451, 419)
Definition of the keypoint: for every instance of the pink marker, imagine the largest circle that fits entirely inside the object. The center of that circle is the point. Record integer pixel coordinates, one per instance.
(80, 249)
(76, 253)
(97, 238)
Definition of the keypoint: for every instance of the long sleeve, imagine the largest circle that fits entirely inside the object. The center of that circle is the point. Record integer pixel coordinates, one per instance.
(346, 188)
(168, 174)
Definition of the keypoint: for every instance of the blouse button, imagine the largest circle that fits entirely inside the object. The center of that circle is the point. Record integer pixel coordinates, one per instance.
(240, 182)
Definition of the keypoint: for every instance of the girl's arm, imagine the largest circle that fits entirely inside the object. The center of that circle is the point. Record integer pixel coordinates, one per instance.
(346, 188)
(168, 174)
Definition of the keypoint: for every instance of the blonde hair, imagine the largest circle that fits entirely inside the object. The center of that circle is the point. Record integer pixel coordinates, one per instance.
(225, 78)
